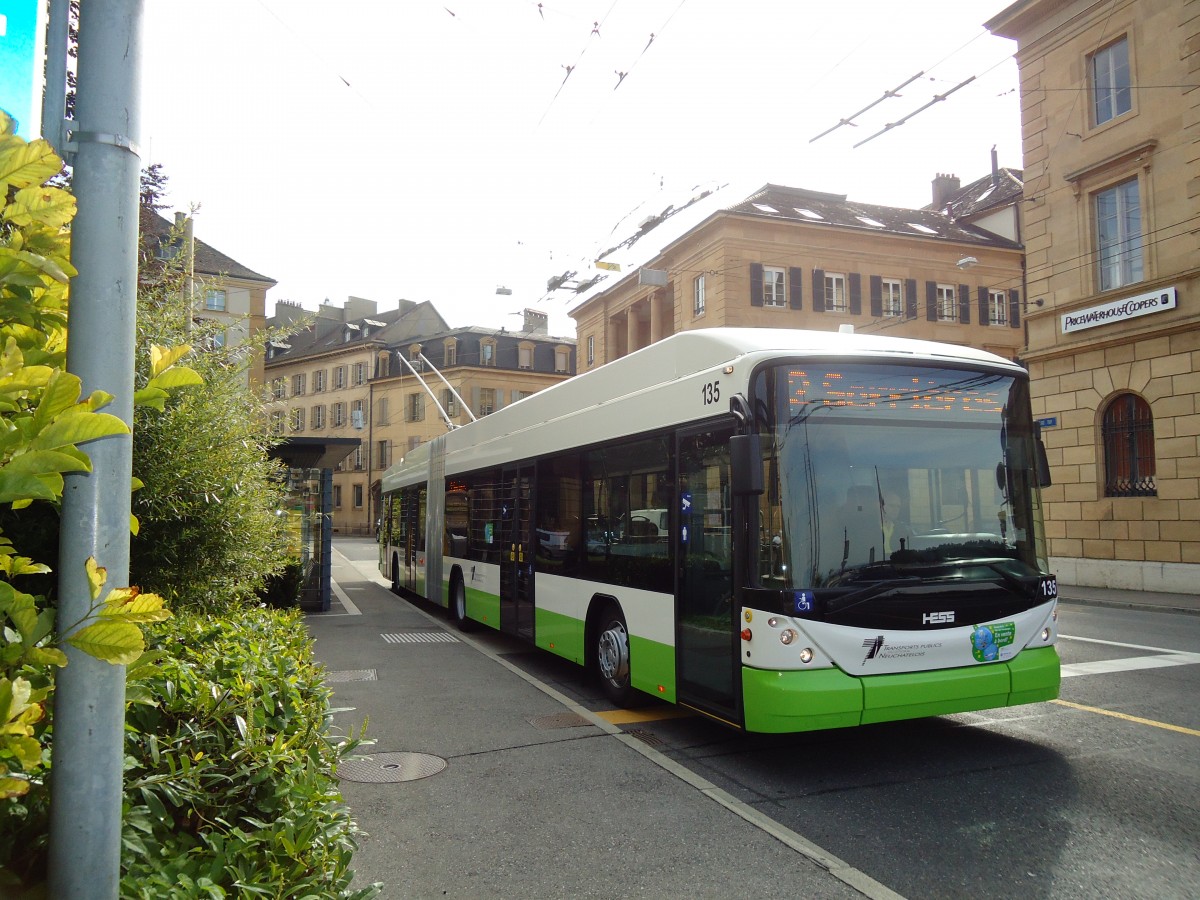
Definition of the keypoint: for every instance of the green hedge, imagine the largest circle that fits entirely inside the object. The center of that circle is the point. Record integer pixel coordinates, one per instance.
(230, 785)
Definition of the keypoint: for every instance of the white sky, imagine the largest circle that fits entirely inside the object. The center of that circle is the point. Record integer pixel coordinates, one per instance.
(389, 149)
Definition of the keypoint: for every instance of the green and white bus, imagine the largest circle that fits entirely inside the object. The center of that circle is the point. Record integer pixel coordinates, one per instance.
(783, 530)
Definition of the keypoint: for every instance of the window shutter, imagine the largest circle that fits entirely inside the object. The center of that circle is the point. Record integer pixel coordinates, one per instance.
(818, 302)
(910, 297)
(964, 304)
(985, 312)
(795, 287)
(876, 296)
(931, 301)
(756, 284)
(514, 395)
(1014, 309)
(499, 394)
(475, 400)
(855, 293)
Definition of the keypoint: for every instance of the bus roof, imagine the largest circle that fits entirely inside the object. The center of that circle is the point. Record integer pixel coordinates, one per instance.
(581, 410)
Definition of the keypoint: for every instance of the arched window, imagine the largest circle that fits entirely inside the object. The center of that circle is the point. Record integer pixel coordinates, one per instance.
(1128, 435)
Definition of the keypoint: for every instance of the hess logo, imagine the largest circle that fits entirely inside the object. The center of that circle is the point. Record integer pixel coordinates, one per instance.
(937, 618)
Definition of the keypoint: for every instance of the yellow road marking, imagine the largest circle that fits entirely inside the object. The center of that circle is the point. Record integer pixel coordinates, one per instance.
(633, 716)
(1128, 718)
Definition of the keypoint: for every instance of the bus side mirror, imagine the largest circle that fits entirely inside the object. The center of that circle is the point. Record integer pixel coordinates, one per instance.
(745, 458)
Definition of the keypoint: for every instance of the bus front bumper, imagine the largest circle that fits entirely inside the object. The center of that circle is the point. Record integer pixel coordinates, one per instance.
(780, 702)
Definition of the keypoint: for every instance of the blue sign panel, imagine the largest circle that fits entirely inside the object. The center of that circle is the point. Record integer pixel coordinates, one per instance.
(1048, 422)
(22, 30)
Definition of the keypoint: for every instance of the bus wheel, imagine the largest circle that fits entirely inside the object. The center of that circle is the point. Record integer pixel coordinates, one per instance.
(395, 573)
(458, 603)
(611, 653)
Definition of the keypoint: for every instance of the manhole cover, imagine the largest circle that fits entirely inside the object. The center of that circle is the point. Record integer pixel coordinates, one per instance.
(342, 675)
(382, 768)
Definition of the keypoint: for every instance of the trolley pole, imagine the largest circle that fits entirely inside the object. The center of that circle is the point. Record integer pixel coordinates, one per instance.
(89, 716)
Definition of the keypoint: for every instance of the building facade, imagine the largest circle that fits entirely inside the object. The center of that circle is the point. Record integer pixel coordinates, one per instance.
(1111, 115)
(351, 374)
(792, 258)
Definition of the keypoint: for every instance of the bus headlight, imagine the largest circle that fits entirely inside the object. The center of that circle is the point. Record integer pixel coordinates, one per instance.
(1045, 634)
(806, 655)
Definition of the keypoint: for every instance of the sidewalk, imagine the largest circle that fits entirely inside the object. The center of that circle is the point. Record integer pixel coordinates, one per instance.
(1188, 604)
(538, 796)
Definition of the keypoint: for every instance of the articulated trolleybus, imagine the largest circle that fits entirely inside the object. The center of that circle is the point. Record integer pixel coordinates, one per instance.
(784, 530)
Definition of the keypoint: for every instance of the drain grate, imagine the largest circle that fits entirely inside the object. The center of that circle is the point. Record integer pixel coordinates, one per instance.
(351, 675)
(558, 720)
(646, 737)
(421, 637)
(384, 768)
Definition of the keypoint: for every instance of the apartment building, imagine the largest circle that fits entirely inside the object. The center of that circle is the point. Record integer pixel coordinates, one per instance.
(787, 257)
(1110, 116)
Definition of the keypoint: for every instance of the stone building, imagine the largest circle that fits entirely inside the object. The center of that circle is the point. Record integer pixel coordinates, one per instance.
(1110, 116)
(785, 257)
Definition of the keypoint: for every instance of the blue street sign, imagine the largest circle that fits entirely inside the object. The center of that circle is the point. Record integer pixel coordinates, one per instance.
(22, 58)
(1048, 422)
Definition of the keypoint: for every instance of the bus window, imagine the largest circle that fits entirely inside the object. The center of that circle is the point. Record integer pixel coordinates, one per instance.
(483, 495)
(558, 522)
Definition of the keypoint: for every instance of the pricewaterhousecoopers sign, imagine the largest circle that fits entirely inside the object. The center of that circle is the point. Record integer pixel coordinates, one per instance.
(1120, 310)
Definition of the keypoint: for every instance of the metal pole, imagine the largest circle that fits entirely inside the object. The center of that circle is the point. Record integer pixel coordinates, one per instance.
(89, 715)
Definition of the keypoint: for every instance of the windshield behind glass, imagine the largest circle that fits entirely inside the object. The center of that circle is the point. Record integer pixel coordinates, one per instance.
(877, 470)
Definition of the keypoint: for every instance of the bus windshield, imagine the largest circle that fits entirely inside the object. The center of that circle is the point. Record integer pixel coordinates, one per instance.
(878, 471)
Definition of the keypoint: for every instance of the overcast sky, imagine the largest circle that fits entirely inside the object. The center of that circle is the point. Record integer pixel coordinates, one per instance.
(434, 150)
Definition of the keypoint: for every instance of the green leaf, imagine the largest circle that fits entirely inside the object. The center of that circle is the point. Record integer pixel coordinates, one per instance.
(62, 392)
(16, 487)
(119, 643)
(176, 377)
(41, 462)
(49, 205)
(77, 428)
(153, 397)
(24, 164)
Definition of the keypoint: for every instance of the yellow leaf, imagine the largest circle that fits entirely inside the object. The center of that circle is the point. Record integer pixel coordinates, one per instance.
(162, 358)
(96, 576)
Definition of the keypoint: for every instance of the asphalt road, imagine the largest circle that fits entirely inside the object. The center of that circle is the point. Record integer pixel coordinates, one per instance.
(1094, 795)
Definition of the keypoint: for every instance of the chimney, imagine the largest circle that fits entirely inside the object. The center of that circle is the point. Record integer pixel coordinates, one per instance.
(995, 167)
(536, 322)
(944, 186)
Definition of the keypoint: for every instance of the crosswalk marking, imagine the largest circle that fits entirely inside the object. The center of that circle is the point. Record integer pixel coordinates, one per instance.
(1163, 657)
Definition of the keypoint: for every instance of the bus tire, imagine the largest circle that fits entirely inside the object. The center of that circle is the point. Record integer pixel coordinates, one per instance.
(395, 573)
(610, 653)
(458, 602)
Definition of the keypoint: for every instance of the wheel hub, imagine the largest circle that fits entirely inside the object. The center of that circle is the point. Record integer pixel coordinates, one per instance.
(613, 654)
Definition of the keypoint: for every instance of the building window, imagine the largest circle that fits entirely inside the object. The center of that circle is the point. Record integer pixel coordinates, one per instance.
(298, 419)
(277, 422)
(360, 373)
(358, 457)
(774, 292)
(416, 408)
(381, 412)
(279, 388)
(448, 403)
(487, 401)
(893, 297)
(214, 300)
(318, 381)
(591, 353)
(562, 360)
(358, 496)
(698, 296)
(339, 415)
(1119, 235)
(339, 378)
(298, 384)
(318, 417)
(997, 307)
(835, 292)
(947, 303)
(525, 356)
(1128, 437)
(357, 419)
(382, 450)
(487, 353)
(218, 339)
(414, 442)
(337, 494)
(1111, 91)
(451, 352)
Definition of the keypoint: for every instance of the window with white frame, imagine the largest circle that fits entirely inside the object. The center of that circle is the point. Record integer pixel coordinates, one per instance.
(1112, 93)
(359, 458)
(487, 401)
(381, 452)
(358, 496)
(487, 353)
(357, 418)
(835, 292)
(279, 388)
(591, 350)
(360, 373)
(525, 356)
(562, 360)
(947, 303)
(449, 404)
(277, 422)
(339, 378)
(893, 297)
(298, 419)
(214, 299)
(318, 381)
(339, 415)
(698, 296)
(337, 494)
(451, 352)
(298, 381)
(997, 307)
(1119, 235)
(318, 417)
(774, 286)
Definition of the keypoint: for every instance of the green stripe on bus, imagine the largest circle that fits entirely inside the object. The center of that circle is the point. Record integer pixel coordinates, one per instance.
(561, 635)
(781, 702)
(652, 667)
(483, 607)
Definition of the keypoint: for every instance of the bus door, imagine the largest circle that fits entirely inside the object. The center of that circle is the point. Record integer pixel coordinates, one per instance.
(706, 638)
(518, 546)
